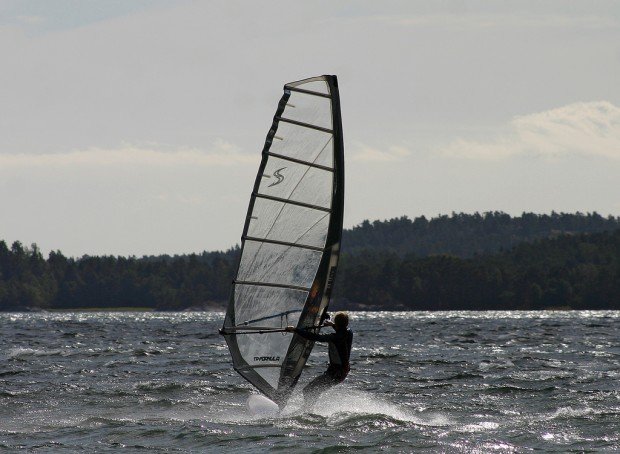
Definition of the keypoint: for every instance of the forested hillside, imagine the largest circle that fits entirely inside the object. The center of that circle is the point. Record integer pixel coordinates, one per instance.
(457, 262)
(466, 235)
(27, 280)
(570, 271)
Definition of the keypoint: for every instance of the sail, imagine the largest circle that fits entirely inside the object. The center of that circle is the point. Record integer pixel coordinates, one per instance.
(291, 239)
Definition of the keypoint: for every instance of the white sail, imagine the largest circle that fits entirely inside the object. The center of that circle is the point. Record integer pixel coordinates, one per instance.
(291, 238)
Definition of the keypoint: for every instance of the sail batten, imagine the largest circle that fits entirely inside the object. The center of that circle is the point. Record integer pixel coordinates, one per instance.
(284, 243)
(273, 284)
(308, 92)
(299, 161)
(293, 202)
(291, 239)
(305, 125)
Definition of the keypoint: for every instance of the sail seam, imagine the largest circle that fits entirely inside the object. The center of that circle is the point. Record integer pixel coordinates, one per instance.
(292, 202)
(300, 161)
(305, 125)
(272, 284)
(283, 243)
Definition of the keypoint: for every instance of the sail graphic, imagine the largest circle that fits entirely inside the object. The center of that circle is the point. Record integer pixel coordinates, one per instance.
(291, 239)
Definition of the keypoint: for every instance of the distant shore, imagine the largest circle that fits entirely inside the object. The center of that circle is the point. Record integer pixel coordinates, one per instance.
(488, 261)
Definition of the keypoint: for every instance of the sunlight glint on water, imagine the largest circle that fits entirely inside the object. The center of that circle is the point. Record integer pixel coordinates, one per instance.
(450, 381)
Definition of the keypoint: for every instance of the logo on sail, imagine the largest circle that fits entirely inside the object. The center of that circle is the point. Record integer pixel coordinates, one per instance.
(267, 358)
(279, 176)
(330, 280)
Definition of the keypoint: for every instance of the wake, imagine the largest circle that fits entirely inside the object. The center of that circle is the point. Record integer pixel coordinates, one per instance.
(341, 406)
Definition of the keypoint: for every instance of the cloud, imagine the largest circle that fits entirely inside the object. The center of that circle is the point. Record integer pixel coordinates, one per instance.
(449, 17)
(585, 128)
(367, 153)
(498, 20)
(31, 20)
(222, 153)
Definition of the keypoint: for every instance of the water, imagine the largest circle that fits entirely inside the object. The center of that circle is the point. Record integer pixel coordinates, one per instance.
(441, 382)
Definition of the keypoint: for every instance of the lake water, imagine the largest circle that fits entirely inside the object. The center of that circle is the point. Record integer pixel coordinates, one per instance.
(440, 382)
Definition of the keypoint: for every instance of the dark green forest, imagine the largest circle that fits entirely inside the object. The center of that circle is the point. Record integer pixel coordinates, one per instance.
(467, 235)
(463, 261)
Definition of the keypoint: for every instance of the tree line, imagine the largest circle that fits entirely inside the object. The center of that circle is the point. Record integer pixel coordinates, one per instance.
(27, 280)
(566, 272)
(467, 235)
(480, 261)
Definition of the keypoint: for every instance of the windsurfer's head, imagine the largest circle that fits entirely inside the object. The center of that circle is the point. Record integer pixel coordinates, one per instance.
(341, 320)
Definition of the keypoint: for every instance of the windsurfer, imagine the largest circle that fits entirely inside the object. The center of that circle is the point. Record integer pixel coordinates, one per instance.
(339, 344)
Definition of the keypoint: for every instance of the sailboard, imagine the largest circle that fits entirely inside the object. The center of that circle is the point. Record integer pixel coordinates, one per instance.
(291, 239)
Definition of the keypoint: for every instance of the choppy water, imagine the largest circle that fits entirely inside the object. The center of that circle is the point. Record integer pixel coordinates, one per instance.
(442, 382)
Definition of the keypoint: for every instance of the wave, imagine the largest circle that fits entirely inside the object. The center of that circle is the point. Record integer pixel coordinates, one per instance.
(160, 387)
(17, 352)
(509, 389)
(9, 373)
(343, 408)
(144, 352)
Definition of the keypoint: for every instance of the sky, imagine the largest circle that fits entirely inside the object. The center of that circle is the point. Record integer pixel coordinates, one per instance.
(135, 128)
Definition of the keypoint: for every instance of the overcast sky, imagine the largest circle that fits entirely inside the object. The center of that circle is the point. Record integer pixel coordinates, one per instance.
(133, 128)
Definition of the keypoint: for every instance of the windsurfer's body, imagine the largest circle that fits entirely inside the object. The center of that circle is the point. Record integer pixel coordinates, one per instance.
(339, 343)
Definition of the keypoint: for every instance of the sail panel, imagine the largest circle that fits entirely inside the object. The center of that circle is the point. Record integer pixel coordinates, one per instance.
(277, 264)
(302, 143)
(317, 84)
(310, 109)
(270, 374)
(266, 307)
(281, 221)
(297, 182)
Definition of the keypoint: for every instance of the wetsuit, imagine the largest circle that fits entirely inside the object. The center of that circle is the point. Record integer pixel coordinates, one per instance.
(339, 352)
